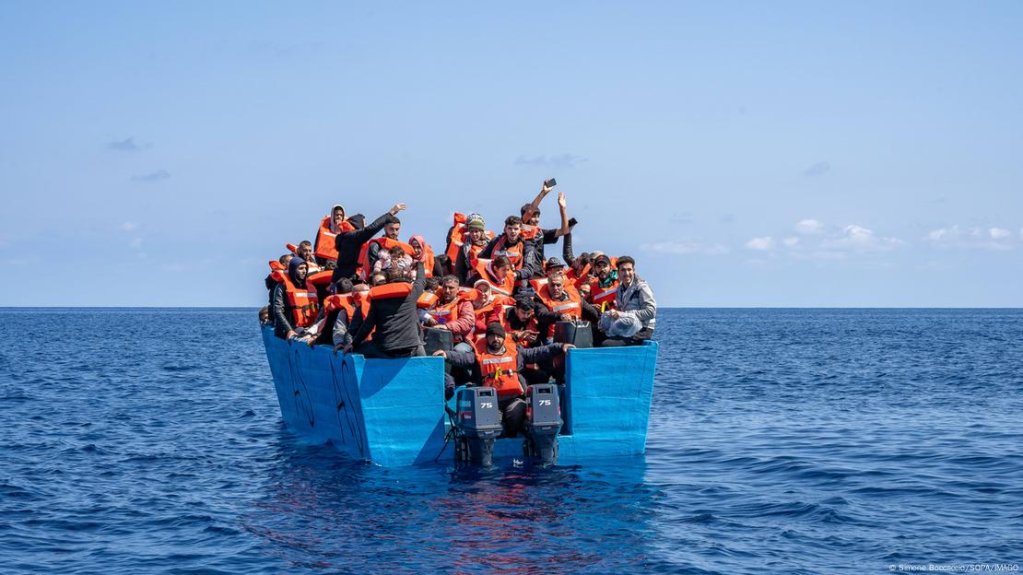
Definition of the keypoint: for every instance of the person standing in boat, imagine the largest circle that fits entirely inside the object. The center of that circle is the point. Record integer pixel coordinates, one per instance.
(531, 223)
(331, 226)
(349, 244)
(632, 320)
(393, 314)
(473, 241)
(294, 306)
(499, 363)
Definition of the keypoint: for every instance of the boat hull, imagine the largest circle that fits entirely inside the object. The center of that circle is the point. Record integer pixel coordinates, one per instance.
(391, 411)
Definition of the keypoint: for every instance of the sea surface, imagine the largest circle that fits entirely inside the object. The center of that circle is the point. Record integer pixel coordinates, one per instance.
(781, 441)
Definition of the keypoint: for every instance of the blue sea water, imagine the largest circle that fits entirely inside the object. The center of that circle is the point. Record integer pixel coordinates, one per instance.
(781, 441)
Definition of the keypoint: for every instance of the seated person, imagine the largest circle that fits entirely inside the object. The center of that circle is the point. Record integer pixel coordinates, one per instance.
(305, 251)
(632, 320)
(498, 272)
(561, 303)
(454, 313)
(520, 321)
(487, 306)
(499, 363)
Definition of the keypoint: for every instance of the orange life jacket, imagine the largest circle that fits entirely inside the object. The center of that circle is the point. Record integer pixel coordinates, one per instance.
(528, 232)
(572, 305)
(604, 298)
(446, 312)
(515, 253)
(277, 271)
(361, 301)
(427, 300)
(385, 243)
(486, 271)
(456, 236)
(390, 290)
(578, 279)
(304, 303)
(325, 245)
(336, 303)
(320, 278)
(339, 302)
(500, 371)
(499, 302)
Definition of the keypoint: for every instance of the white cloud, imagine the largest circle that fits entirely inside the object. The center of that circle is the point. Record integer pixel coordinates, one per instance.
(685, 248)
(809, 227)
(790, 242)
(954, 236)
(760, 244)
(858, 239)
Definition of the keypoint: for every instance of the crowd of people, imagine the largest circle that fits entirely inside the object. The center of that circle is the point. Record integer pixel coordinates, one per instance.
(505, 304)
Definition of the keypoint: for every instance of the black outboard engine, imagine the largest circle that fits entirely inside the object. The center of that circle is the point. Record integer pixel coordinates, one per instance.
(543, 423)
(478, 422)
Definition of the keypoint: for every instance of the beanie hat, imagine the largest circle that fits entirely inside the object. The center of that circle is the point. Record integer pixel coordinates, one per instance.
(358, 220)
(495, 328)
(475, 221)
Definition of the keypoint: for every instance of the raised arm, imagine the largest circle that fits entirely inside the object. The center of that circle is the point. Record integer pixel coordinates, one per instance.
(536, 202)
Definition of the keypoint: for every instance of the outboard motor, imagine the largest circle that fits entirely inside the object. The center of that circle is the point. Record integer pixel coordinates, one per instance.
(478, 421)
(543, 423)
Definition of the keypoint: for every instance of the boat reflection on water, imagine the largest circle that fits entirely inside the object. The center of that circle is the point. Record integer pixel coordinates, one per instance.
(322, 512)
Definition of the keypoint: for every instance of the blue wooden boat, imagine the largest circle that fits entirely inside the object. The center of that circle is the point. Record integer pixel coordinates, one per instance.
(391, 411)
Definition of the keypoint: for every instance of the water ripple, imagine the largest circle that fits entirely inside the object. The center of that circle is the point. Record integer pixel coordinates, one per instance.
(784, 441)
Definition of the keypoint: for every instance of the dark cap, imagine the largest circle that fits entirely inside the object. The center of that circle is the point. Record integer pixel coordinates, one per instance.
(602, 258)
(554, 263)
(358, 220)
(495, 328)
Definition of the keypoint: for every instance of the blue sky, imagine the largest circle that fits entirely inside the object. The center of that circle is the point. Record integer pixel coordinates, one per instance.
(747, 154)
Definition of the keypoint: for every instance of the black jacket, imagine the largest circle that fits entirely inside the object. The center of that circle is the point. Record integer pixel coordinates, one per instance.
(348, 245)
(280, 310)
(395, 320)
(529, 258)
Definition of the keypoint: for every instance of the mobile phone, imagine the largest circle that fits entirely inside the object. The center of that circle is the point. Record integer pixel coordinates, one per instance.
(572, 222)
(550, 183)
